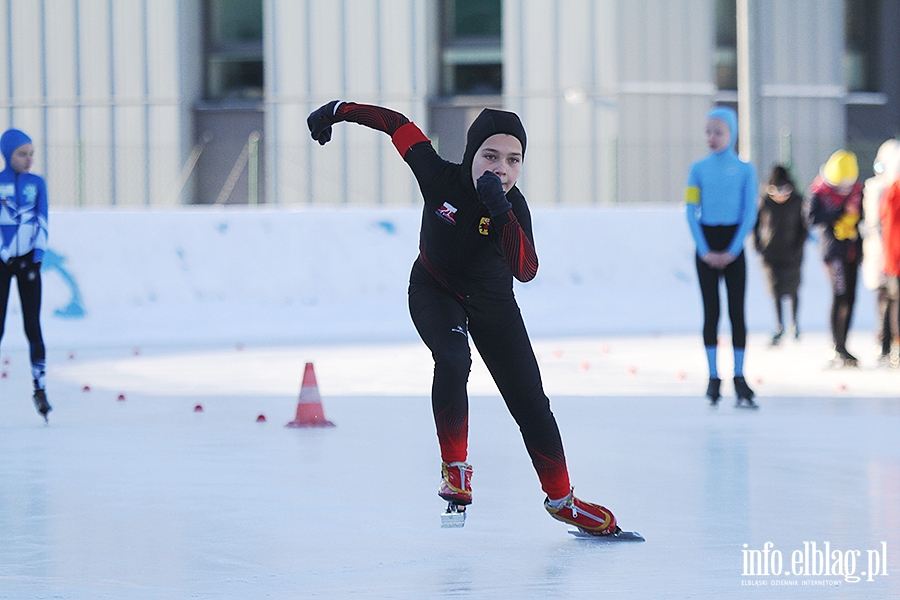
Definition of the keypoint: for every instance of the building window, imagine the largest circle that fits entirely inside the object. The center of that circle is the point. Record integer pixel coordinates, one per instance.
(471, 53)
(860, 44)
(726, 45)
(234, 49)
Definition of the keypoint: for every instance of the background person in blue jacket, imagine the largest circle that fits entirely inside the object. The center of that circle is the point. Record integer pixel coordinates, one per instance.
(721, 211)
(23, 239)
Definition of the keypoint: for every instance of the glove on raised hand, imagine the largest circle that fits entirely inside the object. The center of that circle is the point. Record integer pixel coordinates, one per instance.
(320, 121)
(490, 192)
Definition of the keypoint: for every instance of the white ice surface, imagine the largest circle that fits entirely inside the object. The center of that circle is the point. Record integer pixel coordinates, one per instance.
(145, 498)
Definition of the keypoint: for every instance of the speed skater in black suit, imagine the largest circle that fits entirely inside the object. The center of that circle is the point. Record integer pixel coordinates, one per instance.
(475, 237)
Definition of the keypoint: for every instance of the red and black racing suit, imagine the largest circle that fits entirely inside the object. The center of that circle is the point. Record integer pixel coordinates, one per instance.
(461, 285)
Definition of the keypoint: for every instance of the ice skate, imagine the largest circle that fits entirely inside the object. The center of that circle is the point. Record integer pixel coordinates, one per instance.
(590, 518)
(456, 483)
(744, 394)
(712, 391)
(40, 402)
(776, 337)
(843, 359)
(456, 489)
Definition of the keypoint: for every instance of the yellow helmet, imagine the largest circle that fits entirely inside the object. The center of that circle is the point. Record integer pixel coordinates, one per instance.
(841, 169)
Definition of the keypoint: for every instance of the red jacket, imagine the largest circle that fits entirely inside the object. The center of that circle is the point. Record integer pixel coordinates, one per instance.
(890, 228)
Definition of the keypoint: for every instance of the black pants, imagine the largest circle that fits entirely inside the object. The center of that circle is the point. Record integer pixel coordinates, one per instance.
(889, 313)
(28, 278)
(719, 237)
(843, 287)
(444, 323)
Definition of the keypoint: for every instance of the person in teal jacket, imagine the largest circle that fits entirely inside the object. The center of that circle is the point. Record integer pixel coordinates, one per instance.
(721, 211)
(23, 239)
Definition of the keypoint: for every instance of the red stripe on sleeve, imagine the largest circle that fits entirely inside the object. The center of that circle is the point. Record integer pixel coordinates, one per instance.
(407, 136)
(519, 251)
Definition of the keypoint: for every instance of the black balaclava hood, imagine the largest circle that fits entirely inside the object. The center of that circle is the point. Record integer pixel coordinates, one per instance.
(486, 124)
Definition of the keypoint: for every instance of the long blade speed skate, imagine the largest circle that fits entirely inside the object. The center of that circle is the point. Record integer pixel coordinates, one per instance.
(618, 536)
(454, 516)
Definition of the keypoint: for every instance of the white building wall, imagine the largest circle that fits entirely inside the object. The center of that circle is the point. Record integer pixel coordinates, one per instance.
(612, 93)
(96, 84)
(803, 89)
(665, 89)
(559, 76)
(367, 51)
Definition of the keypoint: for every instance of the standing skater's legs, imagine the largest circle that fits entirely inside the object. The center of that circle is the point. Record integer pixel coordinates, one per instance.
(736, 286)
(709, 293)
(842, 276)
(883, 335)
(28, 278)
(893, 316)
(795, 308)
(5, 282)
(28, 281)
(779, 316)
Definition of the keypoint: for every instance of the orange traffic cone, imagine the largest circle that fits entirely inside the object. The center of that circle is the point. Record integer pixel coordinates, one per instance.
(309, 408)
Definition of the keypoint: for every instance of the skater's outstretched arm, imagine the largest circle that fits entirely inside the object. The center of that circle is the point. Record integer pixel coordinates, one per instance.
(404, 133)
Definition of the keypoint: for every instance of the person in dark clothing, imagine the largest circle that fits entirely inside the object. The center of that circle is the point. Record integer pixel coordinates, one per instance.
(475, 237)
(835, 208)
(779, 236)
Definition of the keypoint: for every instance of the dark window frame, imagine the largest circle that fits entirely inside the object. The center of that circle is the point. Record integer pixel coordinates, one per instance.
(471, 59)
(233, 65)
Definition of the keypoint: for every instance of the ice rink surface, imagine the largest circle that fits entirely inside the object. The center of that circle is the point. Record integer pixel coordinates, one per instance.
(130, 493)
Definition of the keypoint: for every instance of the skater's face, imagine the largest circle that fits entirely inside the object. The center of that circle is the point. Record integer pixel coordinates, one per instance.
(22, 158)
(717, 134)
(501, 154)
(779, 193)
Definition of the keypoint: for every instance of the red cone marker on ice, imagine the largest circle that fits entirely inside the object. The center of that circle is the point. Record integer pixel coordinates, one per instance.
(309, 408)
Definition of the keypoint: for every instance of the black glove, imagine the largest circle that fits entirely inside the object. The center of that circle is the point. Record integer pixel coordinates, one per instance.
(490, 192)
(320, 121)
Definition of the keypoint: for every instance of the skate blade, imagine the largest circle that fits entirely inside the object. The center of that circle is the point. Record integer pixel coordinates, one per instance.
(453, 517)
(622, 536)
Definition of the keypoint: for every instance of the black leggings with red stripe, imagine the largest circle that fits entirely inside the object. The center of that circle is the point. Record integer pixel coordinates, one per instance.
(444, 323)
